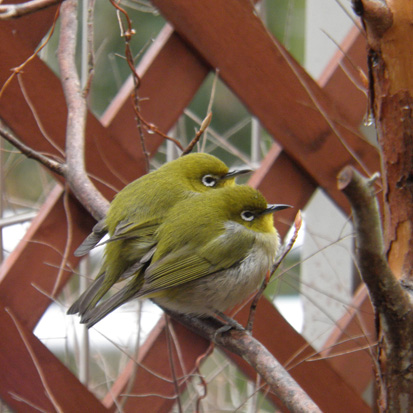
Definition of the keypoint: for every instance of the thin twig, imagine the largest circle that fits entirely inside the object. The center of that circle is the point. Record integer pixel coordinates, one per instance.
(210, 103)
(135, 366)
(127, 34)
(220, 140)
(363, 78)
(54, 166)
(286, 249)
(204, 125)
(69, 239)
(22, 399)
(172, 363)
(198, 362)
(36, 362)
(36, 116)
(151, 127)
(13, 11)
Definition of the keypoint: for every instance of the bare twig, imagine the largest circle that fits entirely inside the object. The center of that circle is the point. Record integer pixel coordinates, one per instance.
(127, 34)
(172, 363)
(286, 249)
(204, 125)
(363, 87)
(154, 129)
(198, 362)
(13, 11)
(36, 116)
(36, 361)
(298, 221)
(76, 175)
(69, 239)
(49, 163)
(221, 140)
(258, 295)
(210, 103)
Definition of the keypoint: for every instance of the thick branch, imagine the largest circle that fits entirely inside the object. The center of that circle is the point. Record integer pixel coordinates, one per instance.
(387, 295)
(76, 175)
(254, 353)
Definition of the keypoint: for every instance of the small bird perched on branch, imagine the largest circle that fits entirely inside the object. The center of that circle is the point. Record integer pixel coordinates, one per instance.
(210, 253)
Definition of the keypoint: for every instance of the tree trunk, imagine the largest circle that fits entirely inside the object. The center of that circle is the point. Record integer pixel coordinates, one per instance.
(389, 29)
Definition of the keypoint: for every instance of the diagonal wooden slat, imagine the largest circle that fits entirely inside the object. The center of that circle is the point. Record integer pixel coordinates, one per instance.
(28, 275)
(272, 85)
(147, 383)
(19, 377)
(359, 324)
(174, 86)
(314, 377)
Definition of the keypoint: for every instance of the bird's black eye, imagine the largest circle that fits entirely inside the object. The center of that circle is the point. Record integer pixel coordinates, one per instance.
(247, 215)
(209, 180)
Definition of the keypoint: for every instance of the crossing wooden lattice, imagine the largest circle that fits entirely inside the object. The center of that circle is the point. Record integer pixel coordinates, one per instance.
(302, 115)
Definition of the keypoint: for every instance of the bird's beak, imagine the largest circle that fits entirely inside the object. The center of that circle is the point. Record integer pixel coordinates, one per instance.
(237, 172)
(274, 207)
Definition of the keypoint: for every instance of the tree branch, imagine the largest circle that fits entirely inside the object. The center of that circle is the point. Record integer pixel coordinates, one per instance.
(389, 298)
(13, 11)
(76, 175)
(55, 166)
(254, 353)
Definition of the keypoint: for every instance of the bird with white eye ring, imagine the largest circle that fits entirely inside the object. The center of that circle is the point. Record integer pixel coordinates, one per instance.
(137, 211)
(211, 252)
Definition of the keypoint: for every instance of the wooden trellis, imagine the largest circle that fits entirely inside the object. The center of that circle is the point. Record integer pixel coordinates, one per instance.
(302, 115)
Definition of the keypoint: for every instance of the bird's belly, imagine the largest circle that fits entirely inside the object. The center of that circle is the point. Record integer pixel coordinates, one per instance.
(218, 291)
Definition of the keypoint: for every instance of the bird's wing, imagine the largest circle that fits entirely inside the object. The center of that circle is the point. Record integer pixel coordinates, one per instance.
(141, 234)
(98, 232)
(189, 264)
(128, 230)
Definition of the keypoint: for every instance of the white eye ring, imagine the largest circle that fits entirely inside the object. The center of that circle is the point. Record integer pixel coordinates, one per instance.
(247, 215)
(209, 180)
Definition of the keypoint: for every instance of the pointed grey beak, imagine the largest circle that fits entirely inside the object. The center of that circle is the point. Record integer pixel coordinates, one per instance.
(274, 207)
(237, 172)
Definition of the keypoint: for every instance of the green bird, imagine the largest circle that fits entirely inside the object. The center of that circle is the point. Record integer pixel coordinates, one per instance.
(210, 253)
(136, 212)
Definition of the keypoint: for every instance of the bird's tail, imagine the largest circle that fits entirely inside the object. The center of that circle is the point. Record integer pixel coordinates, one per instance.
(128, 292)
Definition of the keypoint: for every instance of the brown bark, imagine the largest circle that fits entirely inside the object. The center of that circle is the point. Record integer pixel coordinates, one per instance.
(389, 31)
